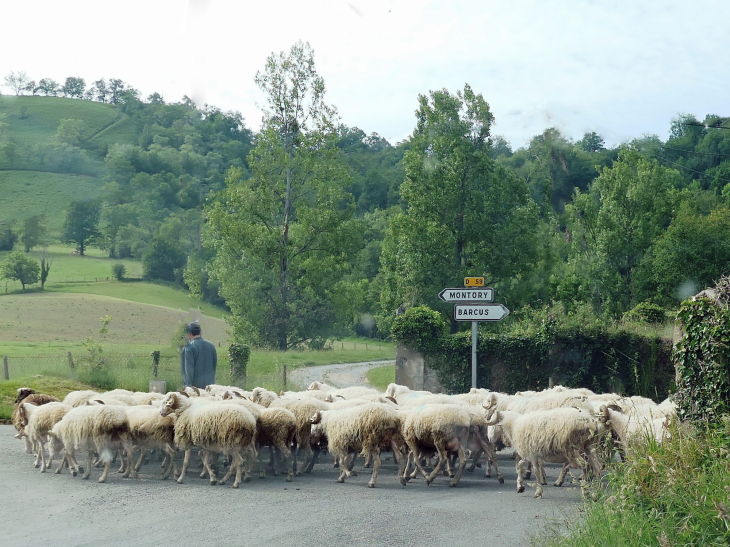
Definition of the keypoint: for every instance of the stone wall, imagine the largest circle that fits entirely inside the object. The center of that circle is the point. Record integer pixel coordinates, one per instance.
(412, 371)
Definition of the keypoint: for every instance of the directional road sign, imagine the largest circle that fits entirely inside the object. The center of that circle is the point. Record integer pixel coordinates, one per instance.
(480, 312)
(484, 294)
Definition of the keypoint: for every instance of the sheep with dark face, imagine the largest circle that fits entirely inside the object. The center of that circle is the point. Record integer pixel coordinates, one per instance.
(27, 395)
(38, 422)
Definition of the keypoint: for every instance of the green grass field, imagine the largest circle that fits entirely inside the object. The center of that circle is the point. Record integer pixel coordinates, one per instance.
(43, 114)
(382, 376)
(29, 193)
(57, 387)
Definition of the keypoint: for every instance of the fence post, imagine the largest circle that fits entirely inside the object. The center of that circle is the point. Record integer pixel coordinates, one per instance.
(155, 362)
(6, 370)
(284, 377)
(71, 363)
(551, 382)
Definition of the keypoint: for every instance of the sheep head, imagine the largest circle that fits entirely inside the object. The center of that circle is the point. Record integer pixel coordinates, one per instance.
(170, 404)
(493, 418)
(23, 392)
(316, 418)
(490, 401)
(23, 414)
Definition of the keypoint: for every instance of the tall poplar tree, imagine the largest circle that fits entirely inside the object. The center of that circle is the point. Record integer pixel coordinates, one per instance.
(283, 235)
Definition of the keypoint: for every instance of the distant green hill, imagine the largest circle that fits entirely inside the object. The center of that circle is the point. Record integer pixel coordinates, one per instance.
(44, 174)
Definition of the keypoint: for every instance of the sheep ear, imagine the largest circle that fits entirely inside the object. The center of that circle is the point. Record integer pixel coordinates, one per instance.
(391, 398)
(23, 416)
(281, 393)
(226, 395)
(196, 390)
(316, 418)
(329, 399)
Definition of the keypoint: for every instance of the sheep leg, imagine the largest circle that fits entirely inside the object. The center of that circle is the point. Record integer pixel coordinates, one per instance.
(538, 489)
(105, 473)
(443, 459)
(238, 463)
(142, 452)
(172, 462)
(186, 462)
(462, 465)
(28, 444)
(540, 472)
(262, 471)
(561, 477)
(285, 454)
(417, 460)
(520, 467)
(229, 473)
(474, 459)
(375, 457)
(206, 464)
(368, 461)
(343, 467)
(315, 457)
(351, 465)
(88, 470)
(128, 449)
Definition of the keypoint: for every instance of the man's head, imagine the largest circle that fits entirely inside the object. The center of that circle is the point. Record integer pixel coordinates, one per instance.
(193, 329)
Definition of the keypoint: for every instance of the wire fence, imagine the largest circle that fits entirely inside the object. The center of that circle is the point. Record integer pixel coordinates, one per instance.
(129, 371)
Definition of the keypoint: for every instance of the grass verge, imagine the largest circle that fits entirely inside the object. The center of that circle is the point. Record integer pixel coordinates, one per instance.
(673, 494)
(382, 376)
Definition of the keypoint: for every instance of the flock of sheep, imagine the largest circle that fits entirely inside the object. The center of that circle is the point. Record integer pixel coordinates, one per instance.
(573, 427)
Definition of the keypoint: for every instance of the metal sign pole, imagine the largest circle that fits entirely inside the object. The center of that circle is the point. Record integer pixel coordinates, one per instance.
(474, 354)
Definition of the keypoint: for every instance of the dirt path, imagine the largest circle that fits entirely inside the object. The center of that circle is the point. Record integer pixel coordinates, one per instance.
(341, 375)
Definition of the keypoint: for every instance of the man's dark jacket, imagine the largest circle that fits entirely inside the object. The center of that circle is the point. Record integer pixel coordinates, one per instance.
(198, 361)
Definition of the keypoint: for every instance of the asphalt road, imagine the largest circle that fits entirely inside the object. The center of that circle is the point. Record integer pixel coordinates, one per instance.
(62, 510)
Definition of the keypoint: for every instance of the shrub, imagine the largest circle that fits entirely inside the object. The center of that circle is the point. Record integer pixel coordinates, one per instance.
(118, 271)
(646, 311)
(421, 328)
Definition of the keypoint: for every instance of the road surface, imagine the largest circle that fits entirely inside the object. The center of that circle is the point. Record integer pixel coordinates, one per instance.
(62, 511)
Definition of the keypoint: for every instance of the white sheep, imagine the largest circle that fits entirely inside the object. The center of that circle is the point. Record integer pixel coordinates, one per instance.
(631, 429)
(151, 431)
(559, 435)
(442, 428)
(215, 427)
(79, 398)
(365, 429)
(95, 428)
(275, 428)
(321, 386)
(38, 422)
(27, 395)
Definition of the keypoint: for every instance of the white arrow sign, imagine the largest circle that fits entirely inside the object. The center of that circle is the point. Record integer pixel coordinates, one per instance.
(484, 294)
(480, 312)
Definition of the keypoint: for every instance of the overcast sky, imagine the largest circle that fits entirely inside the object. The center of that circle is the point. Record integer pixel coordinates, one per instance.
(620, 68)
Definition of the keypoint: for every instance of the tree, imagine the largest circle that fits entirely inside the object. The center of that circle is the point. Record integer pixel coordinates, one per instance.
(162, 258)
(464, 215)
(629, 205)
(694, 252)
(20, 267)
(100, 90)
(7, 237)
(48, 87)
(31, 87)
(592, 142)
(45, 269)
(34, 231)
(115, 89)
(80, 227)
(71, 131)
(74, 87)
(283, 236)
(16, 81)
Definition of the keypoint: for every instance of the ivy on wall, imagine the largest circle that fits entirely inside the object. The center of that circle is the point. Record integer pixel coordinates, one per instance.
(603, 361)
(702, 356)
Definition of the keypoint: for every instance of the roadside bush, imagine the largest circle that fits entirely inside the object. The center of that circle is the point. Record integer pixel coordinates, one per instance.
(674, 493)
(647, 312)
(421, 328)
(7, 238)
(118, 271)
